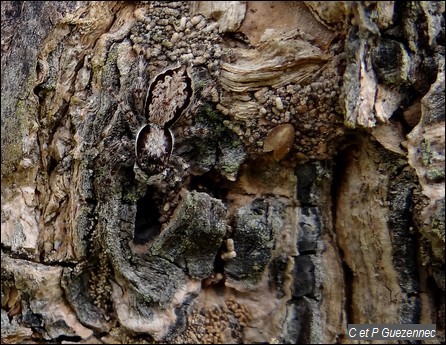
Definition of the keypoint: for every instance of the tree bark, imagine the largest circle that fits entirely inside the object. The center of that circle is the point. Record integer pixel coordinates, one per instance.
(304, 192)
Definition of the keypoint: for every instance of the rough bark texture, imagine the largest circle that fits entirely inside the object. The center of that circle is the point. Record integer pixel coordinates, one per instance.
(305, 190)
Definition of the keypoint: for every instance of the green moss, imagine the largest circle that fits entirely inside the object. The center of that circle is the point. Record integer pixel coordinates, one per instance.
(437, 223)
(96, 69)
(130, 195)
(131, 199)
(198, 86)
(12, 134)
(21, 111)
(230, 168)
(426, 152)
(10, 158)
(111, 57)
(99, 68)
(236, 144)
(349, 124)
(74, 100)
(438, 227)
(256, 268)
(43, 174)
(208, 116)
(435, 174)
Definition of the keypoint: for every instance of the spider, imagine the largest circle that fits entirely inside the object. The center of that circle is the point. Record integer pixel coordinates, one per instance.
(168, 97)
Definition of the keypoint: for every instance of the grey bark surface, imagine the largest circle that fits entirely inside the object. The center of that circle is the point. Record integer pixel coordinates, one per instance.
(305, 190)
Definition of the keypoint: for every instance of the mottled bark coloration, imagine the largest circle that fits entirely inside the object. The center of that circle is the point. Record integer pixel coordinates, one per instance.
(300, 184)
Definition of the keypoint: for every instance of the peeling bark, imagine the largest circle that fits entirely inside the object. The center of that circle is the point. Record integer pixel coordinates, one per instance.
(305, 190)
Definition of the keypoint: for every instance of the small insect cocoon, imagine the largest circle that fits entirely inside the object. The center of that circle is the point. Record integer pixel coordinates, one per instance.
(280, 140)
(230, 244)
(229, 255)
(279, 104)
(218, 276)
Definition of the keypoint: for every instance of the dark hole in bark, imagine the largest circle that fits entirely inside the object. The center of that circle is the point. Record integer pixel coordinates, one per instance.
(346, 152)
(259, 206)
(68, 338)
(348, 281)
(51, 165)
(147, 226)
(306, 175)
(236, 39)
(211, 183)
(219, 268)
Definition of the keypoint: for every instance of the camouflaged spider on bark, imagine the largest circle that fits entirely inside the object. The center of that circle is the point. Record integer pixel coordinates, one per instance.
(168, 97)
